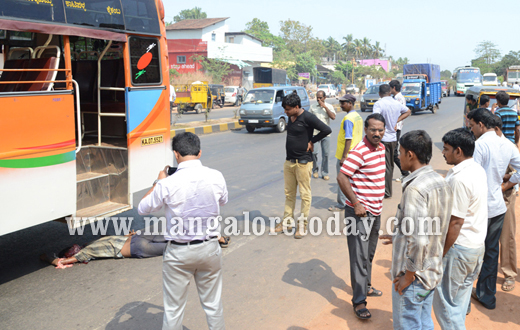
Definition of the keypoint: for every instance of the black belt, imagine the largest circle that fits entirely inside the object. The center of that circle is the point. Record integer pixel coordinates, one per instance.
(197, 241)
(303, 161)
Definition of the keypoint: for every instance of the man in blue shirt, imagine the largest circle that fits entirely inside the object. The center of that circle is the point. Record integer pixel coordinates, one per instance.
(510, 122)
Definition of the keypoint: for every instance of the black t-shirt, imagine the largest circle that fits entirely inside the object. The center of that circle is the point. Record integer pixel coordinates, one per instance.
(299, 133)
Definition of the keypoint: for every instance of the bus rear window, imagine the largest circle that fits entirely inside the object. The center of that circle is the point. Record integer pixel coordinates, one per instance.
(141, 16)
(144, 61)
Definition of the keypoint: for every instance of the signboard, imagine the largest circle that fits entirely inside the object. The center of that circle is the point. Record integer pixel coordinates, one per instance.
(369, 82)
(305, 75)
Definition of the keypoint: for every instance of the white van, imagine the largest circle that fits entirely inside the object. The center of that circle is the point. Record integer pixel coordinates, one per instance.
(490, 79)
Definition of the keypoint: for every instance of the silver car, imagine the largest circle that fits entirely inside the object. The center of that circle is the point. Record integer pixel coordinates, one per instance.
(370, 97)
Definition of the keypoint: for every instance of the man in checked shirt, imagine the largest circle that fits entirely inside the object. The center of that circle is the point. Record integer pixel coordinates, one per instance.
(420, 229)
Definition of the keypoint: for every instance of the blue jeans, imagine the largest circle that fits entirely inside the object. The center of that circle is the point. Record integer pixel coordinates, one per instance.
(452, 297)
(341, 196)
(325, 146)
(412, 310)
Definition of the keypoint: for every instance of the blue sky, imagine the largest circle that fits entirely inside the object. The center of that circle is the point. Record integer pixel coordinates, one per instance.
(440, 32)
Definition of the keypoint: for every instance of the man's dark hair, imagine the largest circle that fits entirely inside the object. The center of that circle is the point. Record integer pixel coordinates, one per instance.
(502, 98)
(321, 92)
(186, 144)
(376, 116)
(484, 99)
(292, 100)
(498, 122)
(460, 138)
(418, 142)
(469, 97)
(482, 115)
(396, 85)
(384, 89)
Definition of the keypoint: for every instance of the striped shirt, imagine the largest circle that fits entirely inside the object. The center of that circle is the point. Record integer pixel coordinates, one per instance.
(416, 248)
(365, 168)
(509, 122)
(106, 247)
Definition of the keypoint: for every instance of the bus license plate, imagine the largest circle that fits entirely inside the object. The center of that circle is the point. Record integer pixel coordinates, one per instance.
(253, 121)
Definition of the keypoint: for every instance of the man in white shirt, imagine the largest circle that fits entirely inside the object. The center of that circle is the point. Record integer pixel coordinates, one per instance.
(516, 86)
(494, 155)
(192, 197)
(173, 96)
(395, 90)
(464, 246)
(325, 112)
(393, 112)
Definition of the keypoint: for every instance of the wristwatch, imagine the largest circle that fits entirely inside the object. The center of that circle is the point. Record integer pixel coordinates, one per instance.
(155, 182)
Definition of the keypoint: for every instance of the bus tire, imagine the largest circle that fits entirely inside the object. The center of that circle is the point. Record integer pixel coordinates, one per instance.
(198, 108)
(250, 128)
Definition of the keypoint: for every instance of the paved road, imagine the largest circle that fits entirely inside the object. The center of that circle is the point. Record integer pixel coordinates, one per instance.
(270, 282)
(225, 112)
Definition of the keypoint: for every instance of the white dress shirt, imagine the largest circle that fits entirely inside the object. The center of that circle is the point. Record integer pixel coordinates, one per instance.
(469, 202)
(400, 98)
(390, 109)
(173, 95)
(494, 154)
(192, 196)
(321, 113)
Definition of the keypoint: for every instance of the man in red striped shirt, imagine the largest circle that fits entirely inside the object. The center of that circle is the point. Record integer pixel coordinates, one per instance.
(362, 180)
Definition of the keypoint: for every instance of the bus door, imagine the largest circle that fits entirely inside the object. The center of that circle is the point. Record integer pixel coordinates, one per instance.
(37, 130)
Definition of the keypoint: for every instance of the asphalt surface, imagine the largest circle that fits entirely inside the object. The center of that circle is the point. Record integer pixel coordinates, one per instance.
(270, 282)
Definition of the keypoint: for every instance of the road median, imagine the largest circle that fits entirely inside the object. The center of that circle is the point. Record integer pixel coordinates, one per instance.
(202, 127)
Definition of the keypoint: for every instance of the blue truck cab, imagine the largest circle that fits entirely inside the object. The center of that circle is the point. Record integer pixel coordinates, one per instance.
(422, 87)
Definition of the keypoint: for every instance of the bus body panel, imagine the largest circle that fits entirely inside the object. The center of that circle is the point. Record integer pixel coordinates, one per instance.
(37, 159)
(149, 135)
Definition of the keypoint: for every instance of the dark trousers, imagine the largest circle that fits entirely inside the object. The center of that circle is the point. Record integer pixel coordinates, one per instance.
(397, 161)
(361, 250)
(487, 281)
(389, 160)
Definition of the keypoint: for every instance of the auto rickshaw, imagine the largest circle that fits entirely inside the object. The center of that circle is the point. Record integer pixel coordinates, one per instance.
(195, 96)
(219, 96)
(491, 91)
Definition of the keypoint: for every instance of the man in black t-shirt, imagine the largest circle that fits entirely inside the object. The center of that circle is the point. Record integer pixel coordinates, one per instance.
(297, 168)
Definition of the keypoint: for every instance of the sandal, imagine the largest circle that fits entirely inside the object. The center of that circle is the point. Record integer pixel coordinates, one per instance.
(225, 244)
(334, 208)
(359, 313)
(509, 284)
(373, 292)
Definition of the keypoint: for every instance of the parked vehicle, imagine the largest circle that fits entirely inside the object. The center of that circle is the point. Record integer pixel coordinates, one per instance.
(370, 97)
(491, 91)
(195, 96)
(267, 77)
(422, 86)
(231, 95)
(352, 89)
(446, 90)
(513, 75)
(489, 79)
(218, 95)
(329, 89)
(262, 107)
(466, 77)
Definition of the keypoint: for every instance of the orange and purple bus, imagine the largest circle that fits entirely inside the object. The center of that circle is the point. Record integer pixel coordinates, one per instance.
(84, 107)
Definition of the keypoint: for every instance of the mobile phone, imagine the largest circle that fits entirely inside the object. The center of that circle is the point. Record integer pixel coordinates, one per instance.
(171, 170)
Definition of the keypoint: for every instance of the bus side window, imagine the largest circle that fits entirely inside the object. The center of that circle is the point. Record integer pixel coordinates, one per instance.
(145, 61)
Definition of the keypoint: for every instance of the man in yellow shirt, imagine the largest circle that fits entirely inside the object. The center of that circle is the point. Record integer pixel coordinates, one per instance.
(350, 134)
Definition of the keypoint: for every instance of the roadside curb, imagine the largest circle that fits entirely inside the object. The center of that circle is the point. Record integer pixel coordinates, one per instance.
(207, 129)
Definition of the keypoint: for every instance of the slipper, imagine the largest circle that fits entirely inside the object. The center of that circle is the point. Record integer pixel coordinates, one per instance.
(373, 292)
(509, 284)
(225, 244)
(362, 311)
(334, 208)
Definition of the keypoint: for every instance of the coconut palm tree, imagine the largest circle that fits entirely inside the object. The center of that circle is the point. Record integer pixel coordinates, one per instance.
(358, 48)
(347, 45)
(366, 46)
(377, 49)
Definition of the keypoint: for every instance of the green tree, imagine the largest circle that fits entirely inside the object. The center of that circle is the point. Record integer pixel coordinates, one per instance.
(260, 30)
(445, 74)
(305, 62)
(358, 48)
(347, 45)
(215, 68)
(296, 36)
(367, 48)
(487, 51)
(511, 58)
(337, 77)
(195, 13)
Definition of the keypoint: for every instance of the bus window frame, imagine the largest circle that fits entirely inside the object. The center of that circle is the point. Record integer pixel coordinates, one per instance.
(158, 45)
